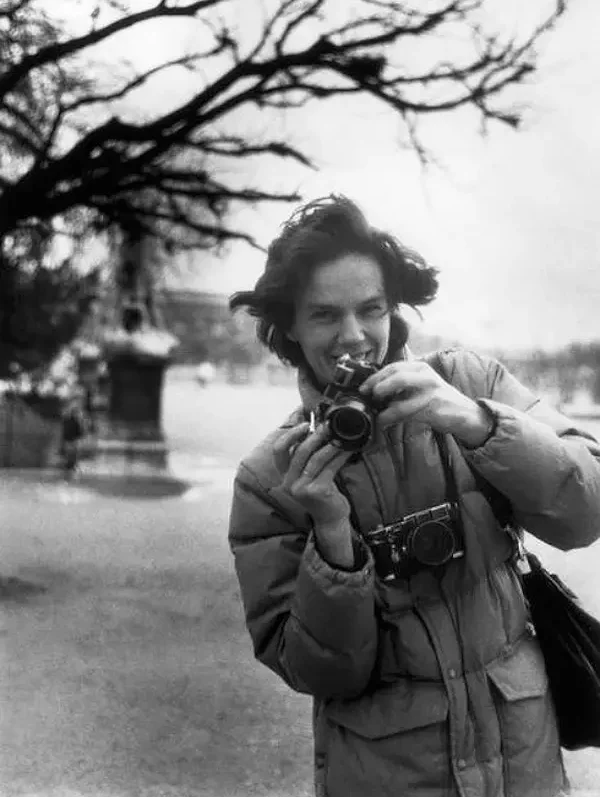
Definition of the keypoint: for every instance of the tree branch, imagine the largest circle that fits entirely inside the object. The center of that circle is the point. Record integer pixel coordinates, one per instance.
(57, 51)
(113, 158)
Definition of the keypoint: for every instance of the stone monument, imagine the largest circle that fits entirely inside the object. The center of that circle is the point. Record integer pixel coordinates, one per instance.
(136, 351)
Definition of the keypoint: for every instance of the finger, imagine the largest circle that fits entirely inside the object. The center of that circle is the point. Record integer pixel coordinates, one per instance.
(333, 466)
(404, 372)
(321, 459)
(305, 450)
(323, 469)
(284, 447)
(291, 436)
(370, 382)
(401, 410)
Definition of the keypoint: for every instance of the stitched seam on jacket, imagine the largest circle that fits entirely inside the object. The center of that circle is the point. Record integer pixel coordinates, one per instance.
(378, 489)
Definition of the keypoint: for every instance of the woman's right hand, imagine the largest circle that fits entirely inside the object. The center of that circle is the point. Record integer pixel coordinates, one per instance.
(309, 463)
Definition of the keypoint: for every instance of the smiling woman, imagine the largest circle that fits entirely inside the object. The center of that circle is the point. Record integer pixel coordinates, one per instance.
(344, 310)
(333, 278)
(379, 577)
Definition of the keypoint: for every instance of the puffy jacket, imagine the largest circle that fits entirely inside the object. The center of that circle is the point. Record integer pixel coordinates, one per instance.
(435, 684)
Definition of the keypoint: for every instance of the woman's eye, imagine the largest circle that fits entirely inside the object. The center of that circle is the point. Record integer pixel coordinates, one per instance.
(374, 310)
(323, 315)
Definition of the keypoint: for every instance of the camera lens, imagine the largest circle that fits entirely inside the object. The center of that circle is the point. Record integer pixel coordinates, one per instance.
(432, 543)
(351, 425)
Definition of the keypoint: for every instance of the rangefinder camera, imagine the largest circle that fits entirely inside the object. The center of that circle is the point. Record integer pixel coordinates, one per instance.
(428, 538)
(350, 417)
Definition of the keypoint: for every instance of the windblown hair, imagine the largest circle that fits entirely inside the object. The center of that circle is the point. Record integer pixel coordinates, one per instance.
(317, 233)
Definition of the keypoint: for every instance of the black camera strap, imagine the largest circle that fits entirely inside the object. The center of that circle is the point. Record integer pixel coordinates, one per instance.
(451, 486)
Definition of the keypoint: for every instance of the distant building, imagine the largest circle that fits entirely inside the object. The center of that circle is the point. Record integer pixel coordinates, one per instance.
(203, 324)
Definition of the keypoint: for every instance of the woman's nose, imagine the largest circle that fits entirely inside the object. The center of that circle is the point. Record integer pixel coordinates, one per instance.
(351, 330)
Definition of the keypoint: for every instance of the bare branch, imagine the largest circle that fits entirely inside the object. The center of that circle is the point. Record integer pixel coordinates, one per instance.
(311, 10)
(239, 148)
(10, 109)
(175, 157)
(269, 27)
(19, 138)
(134, 83)
(53, 53)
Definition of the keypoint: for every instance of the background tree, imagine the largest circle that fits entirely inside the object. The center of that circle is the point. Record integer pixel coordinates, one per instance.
(42, 304)
(75, 157)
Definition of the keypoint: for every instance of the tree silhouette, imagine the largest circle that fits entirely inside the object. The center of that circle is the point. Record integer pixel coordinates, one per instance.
(66, 145)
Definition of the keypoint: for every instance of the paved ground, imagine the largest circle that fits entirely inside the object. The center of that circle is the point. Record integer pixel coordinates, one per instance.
(131, 674)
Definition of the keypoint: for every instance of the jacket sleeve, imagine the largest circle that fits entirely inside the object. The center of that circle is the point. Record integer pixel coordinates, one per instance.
(312, 624)
(545, 466)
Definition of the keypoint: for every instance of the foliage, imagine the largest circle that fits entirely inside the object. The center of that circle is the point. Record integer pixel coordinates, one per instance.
(41, 306)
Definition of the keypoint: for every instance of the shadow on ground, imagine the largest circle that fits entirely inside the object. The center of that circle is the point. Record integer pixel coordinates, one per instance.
(148, 487)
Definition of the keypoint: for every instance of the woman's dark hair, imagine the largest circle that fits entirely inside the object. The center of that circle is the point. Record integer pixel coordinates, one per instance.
(317, 233)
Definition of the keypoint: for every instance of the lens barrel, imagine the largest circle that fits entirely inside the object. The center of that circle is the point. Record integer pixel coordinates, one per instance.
(432, 543)
(350, 424)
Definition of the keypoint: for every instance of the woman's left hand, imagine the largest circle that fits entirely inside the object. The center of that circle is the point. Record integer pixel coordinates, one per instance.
(412, 389)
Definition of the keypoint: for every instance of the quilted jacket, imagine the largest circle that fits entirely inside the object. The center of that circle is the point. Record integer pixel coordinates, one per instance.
(433, 685)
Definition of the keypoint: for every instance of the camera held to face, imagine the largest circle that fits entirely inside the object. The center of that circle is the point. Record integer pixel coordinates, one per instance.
(429, 538)
(351, 418)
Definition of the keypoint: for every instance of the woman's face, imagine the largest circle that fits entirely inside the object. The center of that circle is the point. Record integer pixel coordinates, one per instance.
(343, 309)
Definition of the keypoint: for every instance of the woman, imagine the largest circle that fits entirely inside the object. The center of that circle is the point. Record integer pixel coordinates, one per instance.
(426, 675)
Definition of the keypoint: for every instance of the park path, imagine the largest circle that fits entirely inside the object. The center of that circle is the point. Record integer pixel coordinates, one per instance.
(132, 673)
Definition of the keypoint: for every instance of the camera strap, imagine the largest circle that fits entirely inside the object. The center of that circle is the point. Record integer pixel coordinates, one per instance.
(452, 493)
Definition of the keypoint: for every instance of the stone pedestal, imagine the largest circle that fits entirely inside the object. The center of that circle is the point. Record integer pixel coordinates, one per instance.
(130, 435)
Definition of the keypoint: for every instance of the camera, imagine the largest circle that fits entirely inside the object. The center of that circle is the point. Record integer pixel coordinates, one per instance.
(350, 417)
(429, 538)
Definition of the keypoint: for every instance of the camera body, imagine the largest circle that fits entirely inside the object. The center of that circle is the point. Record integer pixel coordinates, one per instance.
(428, 538)
(350, 417)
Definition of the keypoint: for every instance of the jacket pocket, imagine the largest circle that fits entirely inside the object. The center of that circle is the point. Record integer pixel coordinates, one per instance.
(521, 675)
(402, 706)
(526, 721)
(394, 741)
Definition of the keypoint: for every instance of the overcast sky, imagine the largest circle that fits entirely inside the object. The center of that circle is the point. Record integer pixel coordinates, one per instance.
(512, 220)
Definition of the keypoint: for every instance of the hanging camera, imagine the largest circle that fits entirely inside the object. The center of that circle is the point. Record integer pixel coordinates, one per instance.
(428, 538)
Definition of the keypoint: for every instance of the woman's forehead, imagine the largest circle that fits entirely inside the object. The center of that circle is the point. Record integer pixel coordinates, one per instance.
(351, 278)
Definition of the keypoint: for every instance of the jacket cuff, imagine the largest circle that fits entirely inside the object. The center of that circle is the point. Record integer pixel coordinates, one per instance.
(492, 415)
(517, 455)
(335, 605)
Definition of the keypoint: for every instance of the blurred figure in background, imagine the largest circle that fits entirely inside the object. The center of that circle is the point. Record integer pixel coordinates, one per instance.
(205, 374)
(73, 429)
